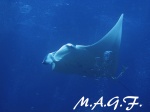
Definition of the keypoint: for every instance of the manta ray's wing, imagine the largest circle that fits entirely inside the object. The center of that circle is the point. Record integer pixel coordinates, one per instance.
(107, 49)
(111, 41)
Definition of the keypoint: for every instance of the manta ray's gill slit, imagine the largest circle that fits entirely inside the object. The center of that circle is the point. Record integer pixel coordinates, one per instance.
(102, 65)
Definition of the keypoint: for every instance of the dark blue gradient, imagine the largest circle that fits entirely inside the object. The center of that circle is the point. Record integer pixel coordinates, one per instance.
(29, 29)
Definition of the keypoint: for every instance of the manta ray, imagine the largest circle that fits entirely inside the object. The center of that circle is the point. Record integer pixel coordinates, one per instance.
(98, 59)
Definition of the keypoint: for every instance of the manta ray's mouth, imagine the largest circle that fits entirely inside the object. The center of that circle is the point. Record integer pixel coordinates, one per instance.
(44, 60)
(49, 59)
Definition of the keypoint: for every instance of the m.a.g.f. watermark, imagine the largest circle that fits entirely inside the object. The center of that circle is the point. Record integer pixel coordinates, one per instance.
(131, 101)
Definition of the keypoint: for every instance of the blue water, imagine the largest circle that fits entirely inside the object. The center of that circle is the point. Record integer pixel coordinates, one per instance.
(29, 29)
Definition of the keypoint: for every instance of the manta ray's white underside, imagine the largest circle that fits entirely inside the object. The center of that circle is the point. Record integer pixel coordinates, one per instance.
(98, 59)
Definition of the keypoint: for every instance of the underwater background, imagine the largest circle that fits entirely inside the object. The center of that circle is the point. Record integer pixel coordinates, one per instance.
(29, 29)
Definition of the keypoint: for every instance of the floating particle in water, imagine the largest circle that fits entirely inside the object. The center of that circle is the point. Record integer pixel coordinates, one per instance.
(67, 4)
(25, 9)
